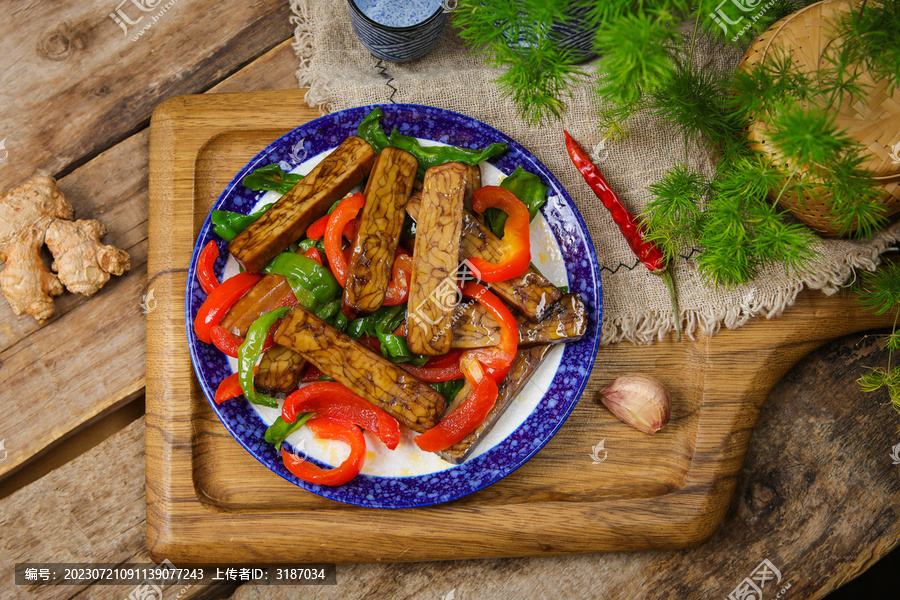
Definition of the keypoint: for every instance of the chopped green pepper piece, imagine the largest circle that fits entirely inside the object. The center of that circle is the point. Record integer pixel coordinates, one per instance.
(250, 352)
(326, 311)
(271, 178)
(311, 275)
(281, 429)
(370, 130)
(228, 224)
(448, 389)
(525, 186)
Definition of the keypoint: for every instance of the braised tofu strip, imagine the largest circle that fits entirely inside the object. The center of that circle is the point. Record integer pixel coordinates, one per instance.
(364, 372)
(523, 367)
(262, 298)
(531, 294)
(432, 289)
(380, 223)
(280, 370)
(289, 217)
(474, 327)
(567, 322)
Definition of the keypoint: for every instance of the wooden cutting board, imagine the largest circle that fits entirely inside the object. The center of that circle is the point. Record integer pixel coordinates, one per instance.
(209, 501)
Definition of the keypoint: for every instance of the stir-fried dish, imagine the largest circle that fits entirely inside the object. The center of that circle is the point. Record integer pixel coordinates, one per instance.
(411, 304)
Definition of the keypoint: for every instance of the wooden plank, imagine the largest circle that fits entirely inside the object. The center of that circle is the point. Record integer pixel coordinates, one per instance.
(90, 510)
(668, 490)
(90, 357)
(817, 496)
(80, 84)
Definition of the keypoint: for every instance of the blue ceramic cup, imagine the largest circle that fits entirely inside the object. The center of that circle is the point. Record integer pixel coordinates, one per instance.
(398, 30)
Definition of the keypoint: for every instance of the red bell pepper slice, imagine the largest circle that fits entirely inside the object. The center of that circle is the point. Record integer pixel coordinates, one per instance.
(497, 357)
(312, 373)
(398, 288)
(438, 368)
(331, 399)
(228, 389)
(313, 254)
(351, 229)
(516, 243)
(229, 344)
(330, 428)
(220, 300)
(225, 341)
(317, 229)
(462, 421)
(348, 208)
(206, 273)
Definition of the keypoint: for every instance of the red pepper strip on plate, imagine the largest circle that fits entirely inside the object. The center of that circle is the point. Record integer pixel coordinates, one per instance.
(317, 229)
(330, 428)
(331, 399)
(225, 341)
(498, 357)
(206, 274)
(346, 210)
(438, 368)
(351, 229)
(398, 288)
(462, 421)
(220, 300)
(516, 242)
(313, 254)
(631, 228)
(229, 388)
(229, 344)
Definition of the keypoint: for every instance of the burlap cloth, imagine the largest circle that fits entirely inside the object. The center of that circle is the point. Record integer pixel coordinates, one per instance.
(340, 74)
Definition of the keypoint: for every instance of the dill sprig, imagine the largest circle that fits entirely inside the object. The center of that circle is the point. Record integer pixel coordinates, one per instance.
(517, 35)
(880, 292)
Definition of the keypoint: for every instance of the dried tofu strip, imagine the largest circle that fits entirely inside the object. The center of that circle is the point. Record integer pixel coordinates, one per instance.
(474, 327)
(262, 298)
(531, 294)
(280, 370)
(524, 365)
(381, 382)
(567, 322)
(380, 223)
(289, 217)
(433, 293)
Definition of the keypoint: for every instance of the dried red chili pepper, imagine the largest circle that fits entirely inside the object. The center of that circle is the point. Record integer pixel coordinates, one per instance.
(631, 228)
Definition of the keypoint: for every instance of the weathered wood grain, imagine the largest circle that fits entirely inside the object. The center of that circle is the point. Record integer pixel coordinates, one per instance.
(817, 496)
(90, 357)
(668, 490)
(89, 510)
(73, 83)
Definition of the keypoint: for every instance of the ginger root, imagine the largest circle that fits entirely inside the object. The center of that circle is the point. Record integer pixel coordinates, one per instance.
(81, 262)
(37, 212)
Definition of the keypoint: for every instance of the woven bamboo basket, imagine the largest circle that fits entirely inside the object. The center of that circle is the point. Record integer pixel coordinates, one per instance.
(873, 119)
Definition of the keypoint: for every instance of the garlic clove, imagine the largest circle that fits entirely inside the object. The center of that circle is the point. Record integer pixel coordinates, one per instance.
(639, 401)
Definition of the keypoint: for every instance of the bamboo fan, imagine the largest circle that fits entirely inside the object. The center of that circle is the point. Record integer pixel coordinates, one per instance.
(873, 119)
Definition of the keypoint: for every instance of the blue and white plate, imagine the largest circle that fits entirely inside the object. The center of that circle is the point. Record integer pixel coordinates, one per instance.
(406, 477)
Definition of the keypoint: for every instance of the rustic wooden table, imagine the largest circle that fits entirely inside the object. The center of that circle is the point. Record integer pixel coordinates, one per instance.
(817, 497)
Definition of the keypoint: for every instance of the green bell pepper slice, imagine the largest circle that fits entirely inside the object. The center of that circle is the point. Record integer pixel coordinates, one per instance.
(250, 353)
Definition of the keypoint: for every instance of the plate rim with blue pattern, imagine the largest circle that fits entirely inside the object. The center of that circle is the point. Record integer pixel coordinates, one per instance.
(566, 387)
